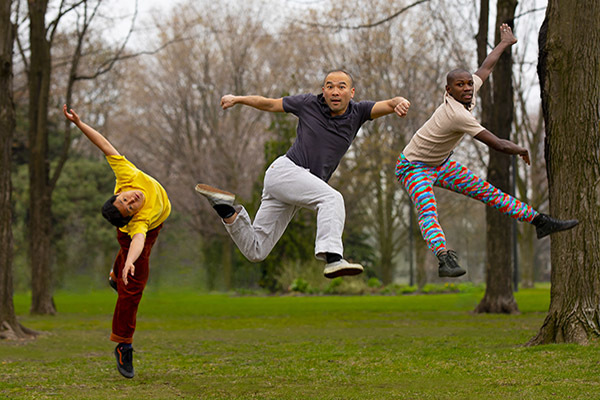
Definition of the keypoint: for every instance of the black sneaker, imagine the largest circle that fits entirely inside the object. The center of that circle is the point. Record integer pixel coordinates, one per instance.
(124, 358)
(112, 281)
(448, 266)
(545, 225)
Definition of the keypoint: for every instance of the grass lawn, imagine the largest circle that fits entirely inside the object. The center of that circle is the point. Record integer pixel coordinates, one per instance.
(199, 346)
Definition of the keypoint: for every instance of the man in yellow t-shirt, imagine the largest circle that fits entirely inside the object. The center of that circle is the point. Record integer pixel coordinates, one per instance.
(138, 209)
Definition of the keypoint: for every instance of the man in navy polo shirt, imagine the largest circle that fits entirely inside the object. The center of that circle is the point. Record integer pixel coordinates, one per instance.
(327, 125)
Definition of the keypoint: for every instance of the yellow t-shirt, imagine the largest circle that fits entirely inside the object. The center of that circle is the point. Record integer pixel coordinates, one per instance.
(157, 206)
(435, 140)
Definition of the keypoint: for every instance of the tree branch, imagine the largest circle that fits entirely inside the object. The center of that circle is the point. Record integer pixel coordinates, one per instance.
(52, 26)
(530, 12)
(109, 64)
(371, 25)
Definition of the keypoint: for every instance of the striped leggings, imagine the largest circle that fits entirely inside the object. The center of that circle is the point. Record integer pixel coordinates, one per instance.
(419, 179)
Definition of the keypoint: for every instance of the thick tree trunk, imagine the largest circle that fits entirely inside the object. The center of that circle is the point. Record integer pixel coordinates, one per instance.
(498, 296)
(40, 192)
(569, 75)
(9, 326)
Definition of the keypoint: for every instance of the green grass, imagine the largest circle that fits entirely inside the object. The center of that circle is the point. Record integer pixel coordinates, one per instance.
(198, 346)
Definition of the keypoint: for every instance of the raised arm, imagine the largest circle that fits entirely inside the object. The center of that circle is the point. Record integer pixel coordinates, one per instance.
(95, 137)
(507, 39)
(399, 105)
(258, 102)
(502, 145)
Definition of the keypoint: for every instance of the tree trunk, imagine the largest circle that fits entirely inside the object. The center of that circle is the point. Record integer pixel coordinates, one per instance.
(40, 197)
(498, 296)
(527, 252)
(421, 253)
(227, 263)
(387, 234)
(568, 69)
(9, 327)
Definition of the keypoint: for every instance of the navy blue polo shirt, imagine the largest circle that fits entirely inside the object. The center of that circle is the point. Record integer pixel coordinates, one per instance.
(323, 139)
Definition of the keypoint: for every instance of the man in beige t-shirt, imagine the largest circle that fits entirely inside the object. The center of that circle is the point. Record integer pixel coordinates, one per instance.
(425, 162)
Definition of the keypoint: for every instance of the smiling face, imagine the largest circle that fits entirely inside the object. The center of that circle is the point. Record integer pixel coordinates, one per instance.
(338, 91)
(460, 86)
(129, 202)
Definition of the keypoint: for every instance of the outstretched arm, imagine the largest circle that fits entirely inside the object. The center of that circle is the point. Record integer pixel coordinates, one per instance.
(258, 102)
(507, 39)
(95, 137)
(502, 145)
(399, 105)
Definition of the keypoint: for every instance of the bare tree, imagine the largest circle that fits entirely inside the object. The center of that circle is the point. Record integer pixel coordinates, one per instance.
(531, 182)
(42, 181)
(10, 328)
(412, 67)
(176, 118)
(568, 69)
(498, 296)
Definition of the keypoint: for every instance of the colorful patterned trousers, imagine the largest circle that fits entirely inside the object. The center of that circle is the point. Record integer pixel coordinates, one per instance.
(419, 180)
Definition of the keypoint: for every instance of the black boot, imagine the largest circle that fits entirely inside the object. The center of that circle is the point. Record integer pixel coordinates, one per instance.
(545, 225)
(449, 266)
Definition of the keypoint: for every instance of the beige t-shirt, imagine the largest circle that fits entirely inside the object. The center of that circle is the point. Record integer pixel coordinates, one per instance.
(435, 140)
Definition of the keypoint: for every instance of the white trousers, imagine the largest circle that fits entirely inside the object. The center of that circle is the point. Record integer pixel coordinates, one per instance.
(287, 188)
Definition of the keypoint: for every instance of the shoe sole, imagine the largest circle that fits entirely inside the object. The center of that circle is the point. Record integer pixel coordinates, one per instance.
(126, 374)
(215, 193)
(342, 271)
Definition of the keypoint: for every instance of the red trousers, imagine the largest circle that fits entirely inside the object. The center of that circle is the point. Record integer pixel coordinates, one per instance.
(129, 296)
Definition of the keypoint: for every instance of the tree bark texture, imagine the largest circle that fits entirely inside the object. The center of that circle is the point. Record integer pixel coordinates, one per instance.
(40, 192)
(498, 296)
(9, 326)
(569, 73)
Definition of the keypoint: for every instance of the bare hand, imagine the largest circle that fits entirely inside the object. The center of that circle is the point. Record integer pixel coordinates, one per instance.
(506, 35)
(227, 101)
(72, 116)
(402, 107)
(129, 269)
(525, 156)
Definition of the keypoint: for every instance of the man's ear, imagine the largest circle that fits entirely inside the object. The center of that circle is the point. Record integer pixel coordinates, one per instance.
(352, 93)
(448, 88)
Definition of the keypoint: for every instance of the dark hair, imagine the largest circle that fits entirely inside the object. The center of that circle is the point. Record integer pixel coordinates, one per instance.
(112, 213)
(342, 71)
(451, 77)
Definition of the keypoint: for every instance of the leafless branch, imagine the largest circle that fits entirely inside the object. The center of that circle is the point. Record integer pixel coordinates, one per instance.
(17, 38)
(52, 26)
(533, 10)
(107, 66)
(373, 24)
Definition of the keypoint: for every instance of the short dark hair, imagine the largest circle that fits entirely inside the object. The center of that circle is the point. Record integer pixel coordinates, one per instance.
(342, 71)
(112, 213)
(451, 77)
